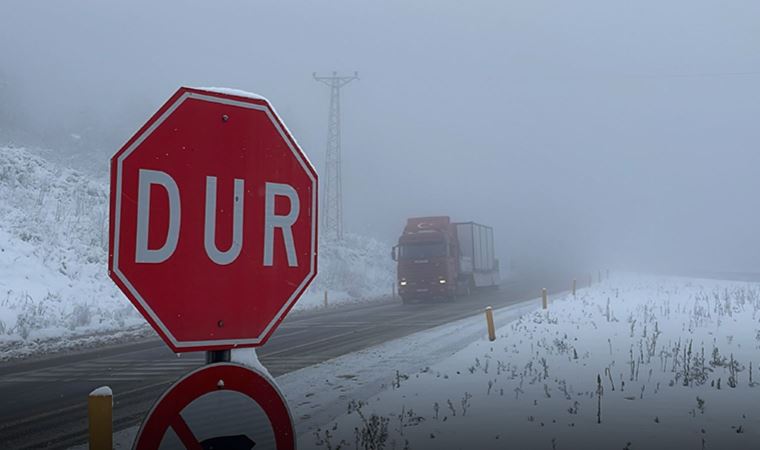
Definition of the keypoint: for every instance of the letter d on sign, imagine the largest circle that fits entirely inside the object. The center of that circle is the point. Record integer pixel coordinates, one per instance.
(142, 253)
(285, 223)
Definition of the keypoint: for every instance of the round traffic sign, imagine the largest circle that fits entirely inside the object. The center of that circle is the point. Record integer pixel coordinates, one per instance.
(222, 406)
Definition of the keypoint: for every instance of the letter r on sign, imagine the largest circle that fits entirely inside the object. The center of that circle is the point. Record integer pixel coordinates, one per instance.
(285, 223)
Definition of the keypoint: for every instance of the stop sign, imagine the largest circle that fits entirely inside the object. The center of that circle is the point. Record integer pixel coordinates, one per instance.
(213, 230)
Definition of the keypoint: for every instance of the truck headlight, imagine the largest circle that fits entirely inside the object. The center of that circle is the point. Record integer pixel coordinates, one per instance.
(402, 283)
(442, 281)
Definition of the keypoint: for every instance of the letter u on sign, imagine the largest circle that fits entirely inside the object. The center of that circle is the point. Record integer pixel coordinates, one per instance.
(209, 229)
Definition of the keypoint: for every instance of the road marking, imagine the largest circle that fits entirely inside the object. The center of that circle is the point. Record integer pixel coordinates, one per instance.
(104, 370)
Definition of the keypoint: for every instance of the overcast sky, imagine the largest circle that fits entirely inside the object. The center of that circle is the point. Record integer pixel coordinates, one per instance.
(595, 132)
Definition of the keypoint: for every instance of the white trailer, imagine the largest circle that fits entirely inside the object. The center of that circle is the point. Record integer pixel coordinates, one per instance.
(476, 254)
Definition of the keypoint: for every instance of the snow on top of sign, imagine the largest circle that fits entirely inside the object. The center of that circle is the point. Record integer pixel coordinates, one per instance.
(103, 391)
(241, 93)
(231, 91)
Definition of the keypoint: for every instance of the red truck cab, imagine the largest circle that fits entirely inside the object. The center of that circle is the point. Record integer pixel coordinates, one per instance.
(440, 259)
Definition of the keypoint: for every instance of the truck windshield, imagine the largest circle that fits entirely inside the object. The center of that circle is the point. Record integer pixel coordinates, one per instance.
(422, 250)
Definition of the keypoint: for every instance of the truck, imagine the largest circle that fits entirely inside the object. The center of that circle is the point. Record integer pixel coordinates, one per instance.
(438, 258)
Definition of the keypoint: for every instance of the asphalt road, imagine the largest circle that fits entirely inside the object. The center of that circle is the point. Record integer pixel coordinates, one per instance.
(43, 402)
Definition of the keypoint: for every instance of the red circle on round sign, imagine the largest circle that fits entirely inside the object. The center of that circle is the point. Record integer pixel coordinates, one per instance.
(213, 220)
(220, 377)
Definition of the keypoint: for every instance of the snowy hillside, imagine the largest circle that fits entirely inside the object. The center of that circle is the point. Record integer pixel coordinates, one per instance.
(53, 258)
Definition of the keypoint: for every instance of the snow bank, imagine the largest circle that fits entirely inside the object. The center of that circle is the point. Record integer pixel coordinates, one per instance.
(53, 249)
(636, 362)
(53, 261)
(356, 269)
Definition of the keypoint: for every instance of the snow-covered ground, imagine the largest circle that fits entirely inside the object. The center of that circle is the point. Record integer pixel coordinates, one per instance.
(632, 363)
(53, 259)
(636, 362)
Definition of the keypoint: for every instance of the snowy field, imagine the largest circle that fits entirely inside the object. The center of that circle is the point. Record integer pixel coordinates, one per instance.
(53, 260)
(632, 363)
(636, 362)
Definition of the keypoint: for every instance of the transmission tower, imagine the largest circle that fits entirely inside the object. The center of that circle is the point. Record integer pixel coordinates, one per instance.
(332, 204)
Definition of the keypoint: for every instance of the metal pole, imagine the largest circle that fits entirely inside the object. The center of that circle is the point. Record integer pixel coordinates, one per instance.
(217, 356)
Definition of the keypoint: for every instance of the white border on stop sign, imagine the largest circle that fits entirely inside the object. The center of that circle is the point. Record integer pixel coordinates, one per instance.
(138, 141)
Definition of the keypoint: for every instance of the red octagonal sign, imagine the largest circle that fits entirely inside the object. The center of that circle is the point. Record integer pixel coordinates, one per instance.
(213, 220)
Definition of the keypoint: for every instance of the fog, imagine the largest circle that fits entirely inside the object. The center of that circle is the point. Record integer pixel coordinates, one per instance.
(590, 134)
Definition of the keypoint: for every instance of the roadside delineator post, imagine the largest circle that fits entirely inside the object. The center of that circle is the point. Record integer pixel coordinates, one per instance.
(590, 279)
(489, 323)
(100, 418)
(573, 287)
(325, 299)
(543, 298)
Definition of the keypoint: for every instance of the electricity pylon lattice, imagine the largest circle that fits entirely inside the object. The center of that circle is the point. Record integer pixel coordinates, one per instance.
(332, 204)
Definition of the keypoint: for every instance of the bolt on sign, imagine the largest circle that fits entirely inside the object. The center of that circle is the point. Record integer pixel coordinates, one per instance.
(213, 220)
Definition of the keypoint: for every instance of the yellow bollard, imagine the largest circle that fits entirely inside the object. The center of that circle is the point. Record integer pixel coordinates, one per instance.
(489, 323)
(100, 413)
(573, 287)
(543, 297)
(325, 299)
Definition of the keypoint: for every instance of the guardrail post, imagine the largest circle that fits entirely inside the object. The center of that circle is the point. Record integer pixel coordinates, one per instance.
(543, 298)
(100, 418)
(490, 325)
